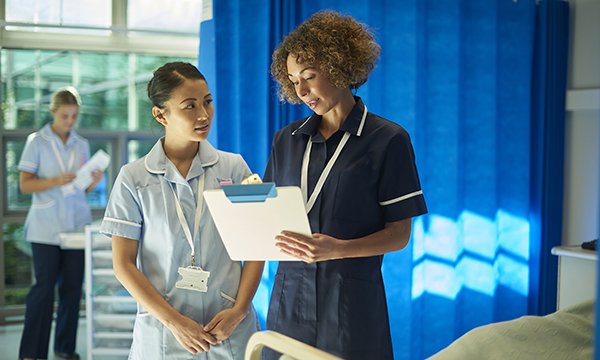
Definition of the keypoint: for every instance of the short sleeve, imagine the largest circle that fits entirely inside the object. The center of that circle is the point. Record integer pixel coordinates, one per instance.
(123, 215)
(30, 157)
(400, 194)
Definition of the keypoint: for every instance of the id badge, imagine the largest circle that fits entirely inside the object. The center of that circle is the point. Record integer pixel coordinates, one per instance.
(193, 278)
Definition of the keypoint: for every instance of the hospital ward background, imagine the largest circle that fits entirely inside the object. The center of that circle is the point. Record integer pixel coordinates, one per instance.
(501, 98)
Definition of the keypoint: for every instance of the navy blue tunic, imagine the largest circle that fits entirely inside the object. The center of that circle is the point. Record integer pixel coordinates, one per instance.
(339, 306)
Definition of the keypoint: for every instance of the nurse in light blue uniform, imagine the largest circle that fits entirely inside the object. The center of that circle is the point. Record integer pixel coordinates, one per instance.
(160, 228)
(50, 159)
(62, 208)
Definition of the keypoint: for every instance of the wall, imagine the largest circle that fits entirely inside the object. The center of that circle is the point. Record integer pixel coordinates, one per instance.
(582, 142)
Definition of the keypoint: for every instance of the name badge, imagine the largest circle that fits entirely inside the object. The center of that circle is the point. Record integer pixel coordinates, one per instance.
(193, 278)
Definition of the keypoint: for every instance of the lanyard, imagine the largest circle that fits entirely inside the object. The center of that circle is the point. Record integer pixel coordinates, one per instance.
(198, 214)
(59, 158)
(310, 202)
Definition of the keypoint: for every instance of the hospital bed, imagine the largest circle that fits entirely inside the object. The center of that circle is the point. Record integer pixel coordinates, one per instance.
(565, 334)
(289, 348)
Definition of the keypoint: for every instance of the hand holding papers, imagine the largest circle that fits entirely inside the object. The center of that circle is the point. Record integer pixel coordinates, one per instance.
(99, 161)
(83, 179)
(248, 217)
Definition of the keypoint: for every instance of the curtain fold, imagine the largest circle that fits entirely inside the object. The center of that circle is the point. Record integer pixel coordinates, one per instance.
(547, 148)
(461, 77)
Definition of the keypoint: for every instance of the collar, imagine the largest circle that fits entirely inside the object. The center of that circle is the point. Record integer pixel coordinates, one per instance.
(156, 161)
(47, 133)
(354, 122)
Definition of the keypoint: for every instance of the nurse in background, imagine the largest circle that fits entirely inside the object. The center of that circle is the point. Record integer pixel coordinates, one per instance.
(192, 298)
(49, 162)
(359, 180)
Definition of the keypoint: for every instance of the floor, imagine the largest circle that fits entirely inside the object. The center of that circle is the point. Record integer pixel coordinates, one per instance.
(10, 338)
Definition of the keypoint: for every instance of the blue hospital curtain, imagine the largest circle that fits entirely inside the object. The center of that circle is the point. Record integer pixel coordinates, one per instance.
(458, 75)
(548, 148)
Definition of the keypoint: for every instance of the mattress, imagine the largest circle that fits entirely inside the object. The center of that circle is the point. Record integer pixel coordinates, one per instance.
(565, 334)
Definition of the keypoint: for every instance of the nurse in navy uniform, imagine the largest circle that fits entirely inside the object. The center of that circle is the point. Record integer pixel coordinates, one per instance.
(360, 184)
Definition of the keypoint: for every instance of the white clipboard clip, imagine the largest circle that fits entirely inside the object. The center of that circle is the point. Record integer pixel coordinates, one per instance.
(249, 193)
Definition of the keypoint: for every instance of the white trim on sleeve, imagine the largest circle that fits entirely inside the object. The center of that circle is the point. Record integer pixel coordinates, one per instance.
(403, 197)
(28, 164)
(122, 222)
(362, 122)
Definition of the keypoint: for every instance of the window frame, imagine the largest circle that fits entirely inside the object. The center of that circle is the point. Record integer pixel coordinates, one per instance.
(120, 39)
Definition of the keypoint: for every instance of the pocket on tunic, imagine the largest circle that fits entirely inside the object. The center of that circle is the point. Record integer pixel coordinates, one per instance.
(363, 315)
(235, 346)
(226, 300)
(43, 205)
(275, 303)
(147, 338)
(42, 221)
(43, 214)
(356, 194)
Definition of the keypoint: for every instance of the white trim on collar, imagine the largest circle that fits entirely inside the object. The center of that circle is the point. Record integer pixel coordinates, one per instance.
(47, 133)
(157, 156)
(152, 171)
(362, 122)
(304, 123)
(358, 132)
(207, 153)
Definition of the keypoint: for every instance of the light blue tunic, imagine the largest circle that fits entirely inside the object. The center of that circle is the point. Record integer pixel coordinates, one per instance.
(142, 207)
(52, 212)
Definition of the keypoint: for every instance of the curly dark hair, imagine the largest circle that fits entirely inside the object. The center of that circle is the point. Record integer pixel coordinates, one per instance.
(343, 49)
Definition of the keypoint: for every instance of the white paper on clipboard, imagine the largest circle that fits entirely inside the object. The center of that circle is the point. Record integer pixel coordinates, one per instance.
(248, 229)
(83, 178)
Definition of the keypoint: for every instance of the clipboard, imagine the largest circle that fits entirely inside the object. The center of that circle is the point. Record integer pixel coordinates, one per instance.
(249, 216)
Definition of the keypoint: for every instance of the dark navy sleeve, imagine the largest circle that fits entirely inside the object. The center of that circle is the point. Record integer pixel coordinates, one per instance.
(400, 193)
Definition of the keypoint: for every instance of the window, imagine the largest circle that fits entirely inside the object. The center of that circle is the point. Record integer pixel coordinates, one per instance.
(126, 26)
(147, 15)
(60, 12)
(15, 200)
(138, 148)
(107, 49)
(107, 82)
(114, 116)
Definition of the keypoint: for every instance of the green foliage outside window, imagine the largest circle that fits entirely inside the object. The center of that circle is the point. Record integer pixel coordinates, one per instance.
(113, 92)
(107, 82)
(17, 265)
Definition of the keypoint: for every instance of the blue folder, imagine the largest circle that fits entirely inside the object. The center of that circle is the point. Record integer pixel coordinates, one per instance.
(238, 193)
